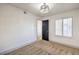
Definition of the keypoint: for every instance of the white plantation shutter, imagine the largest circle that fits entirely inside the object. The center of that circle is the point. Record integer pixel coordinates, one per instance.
(59, 27)
(64, 27)
(67, 27)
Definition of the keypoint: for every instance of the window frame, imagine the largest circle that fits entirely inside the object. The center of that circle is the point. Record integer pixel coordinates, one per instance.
(62, 27)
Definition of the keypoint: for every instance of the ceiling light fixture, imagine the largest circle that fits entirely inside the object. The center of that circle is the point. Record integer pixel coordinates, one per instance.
(44, 8)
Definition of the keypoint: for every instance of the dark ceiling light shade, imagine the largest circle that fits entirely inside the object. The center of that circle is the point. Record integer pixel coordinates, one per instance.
(44, 8)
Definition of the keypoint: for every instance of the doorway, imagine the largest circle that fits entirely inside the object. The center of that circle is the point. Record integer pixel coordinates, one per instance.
(45, 30)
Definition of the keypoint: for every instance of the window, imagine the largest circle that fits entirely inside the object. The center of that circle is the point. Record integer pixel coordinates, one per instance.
(59, 27)
(67, 27)
(64, 27)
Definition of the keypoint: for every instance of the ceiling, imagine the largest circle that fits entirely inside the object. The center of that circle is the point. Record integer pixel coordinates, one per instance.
(55, 8)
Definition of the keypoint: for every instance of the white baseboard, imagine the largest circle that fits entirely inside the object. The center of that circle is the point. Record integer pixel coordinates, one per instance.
(5, 51)
(66, 44)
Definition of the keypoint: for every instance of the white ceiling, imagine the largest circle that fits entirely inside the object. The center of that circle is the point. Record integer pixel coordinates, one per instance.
(34, 8)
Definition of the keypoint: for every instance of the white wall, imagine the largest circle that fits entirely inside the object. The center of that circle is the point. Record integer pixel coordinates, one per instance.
(74, 41)
(39, 29)
(16, 28)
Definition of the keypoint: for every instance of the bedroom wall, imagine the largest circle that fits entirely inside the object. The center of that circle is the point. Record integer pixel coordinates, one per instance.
(16, 28)
(39, 29)
(74, 41)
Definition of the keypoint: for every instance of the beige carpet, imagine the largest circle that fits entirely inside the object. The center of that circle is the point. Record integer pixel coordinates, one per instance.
(45, 48)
